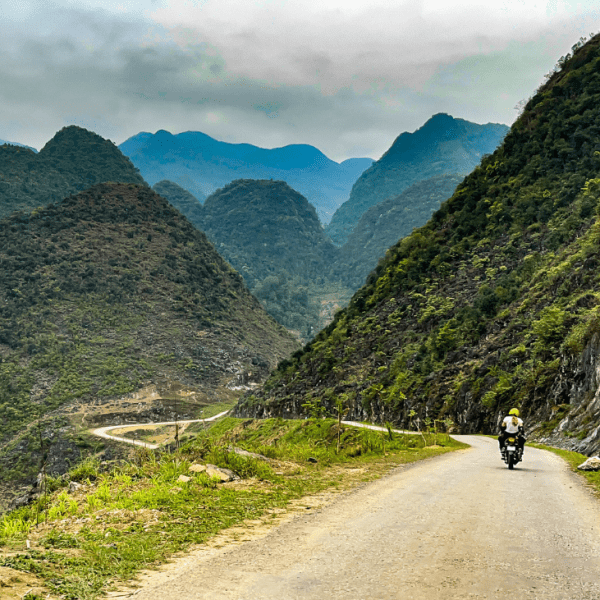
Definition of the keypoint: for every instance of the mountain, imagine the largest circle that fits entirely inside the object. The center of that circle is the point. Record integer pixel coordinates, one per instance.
(187, 204)
(104, 294)
(494, 303)
(272, 236)
(442, 145)
(201, 164)
(387, 222)
(4, 142)
(73, 160)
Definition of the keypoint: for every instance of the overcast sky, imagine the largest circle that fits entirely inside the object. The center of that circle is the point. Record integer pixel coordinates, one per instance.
(345, 76)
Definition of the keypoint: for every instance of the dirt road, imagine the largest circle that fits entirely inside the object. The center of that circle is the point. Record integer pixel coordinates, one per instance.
(460, 526)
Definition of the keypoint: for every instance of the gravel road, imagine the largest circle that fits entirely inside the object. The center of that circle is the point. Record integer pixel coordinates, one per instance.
(459, 526)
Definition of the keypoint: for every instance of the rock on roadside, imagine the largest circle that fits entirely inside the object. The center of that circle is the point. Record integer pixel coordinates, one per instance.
(591, 464)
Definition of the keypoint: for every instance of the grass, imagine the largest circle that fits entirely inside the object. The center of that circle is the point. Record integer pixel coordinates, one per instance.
(140, 514)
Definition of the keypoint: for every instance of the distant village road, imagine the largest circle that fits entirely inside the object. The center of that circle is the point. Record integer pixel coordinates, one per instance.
(103, 432)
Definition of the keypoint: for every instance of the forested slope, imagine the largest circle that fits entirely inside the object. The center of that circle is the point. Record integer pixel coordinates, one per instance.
(494, 303)
(106, 292)
(272, 236)
(389, 221)
(72, 161)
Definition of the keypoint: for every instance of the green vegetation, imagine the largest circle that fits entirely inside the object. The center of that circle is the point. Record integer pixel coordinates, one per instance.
(442, 145)
(272, 236)
(108, 291)
(382, 225)
(73, 160)
(203, 165)
(493, 301)
(187, 204)
(141, 513)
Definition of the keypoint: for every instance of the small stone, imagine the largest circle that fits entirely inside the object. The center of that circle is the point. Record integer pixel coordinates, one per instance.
(247, 454)
(196, 468)
(591, 464)
(74, 486)
(223, 474)
(184, 478)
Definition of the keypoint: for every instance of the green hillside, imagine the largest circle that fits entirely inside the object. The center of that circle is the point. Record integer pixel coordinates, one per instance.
(495, 302)
(442, 145)
(73, 160)
(187, 204)
(105, 293)
(272, 236)
(389, 221)
(202, 165)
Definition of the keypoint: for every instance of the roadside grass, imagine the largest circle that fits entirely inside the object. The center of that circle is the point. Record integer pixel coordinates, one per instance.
(574, 459)
(80, 542)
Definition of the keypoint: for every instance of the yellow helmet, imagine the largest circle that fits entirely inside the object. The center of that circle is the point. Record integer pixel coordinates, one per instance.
(514, 411)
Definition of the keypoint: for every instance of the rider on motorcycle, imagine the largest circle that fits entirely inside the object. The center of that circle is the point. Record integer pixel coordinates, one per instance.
(512, 425)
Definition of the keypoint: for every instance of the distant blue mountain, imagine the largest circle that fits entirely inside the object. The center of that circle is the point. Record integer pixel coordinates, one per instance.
(2, 142)
(201, 165)
(443, 145)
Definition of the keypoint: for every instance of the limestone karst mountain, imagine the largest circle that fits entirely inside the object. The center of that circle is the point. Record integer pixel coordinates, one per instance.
(102, 294)
(494, 303)
(272, 236)
(73, 160)
(443, 145)
(187, 204)
(389, 221)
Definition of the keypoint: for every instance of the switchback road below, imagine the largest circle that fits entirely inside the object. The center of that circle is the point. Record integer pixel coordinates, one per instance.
(460, 526)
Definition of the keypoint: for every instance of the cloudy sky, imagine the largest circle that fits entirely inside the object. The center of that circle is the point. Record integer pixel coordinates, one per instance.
(346, 76)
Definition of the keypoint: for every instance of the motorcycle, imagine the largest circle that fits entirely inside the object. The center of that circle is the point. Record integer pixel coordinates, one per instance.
(512, 452)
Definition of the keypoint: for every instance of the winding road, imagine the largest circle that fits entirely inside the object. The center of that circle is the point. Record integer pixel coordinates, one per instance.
(103, 432)
(460, 526)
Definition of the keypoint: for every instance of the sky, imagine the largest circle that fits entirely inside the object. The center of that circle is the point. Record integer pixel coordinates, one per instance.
(345, 76)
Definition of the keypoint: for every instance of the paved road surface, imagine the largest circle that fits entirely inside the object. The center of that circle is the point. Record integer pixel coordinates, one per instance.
(457, 527)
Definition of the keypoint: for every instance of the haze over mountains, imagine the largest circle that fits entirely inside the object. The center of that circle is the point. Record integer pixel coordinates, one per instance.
(272, 236)
(201, 165)
(3, 142)
(382, 225)
(494, 303)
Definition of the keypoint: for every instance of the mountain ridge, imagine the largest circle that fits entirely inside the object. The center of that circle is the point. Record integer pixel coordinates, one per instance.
(212, 164)
(107, 292)
(73, 160)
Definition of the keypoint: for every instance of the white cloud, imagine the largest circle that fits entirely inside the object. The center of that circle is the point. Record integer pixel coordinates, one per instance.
(345, 76)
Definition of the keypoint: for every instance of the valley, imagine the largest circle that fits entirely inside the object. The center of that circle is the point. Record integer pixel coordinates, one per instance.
(458, 280)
